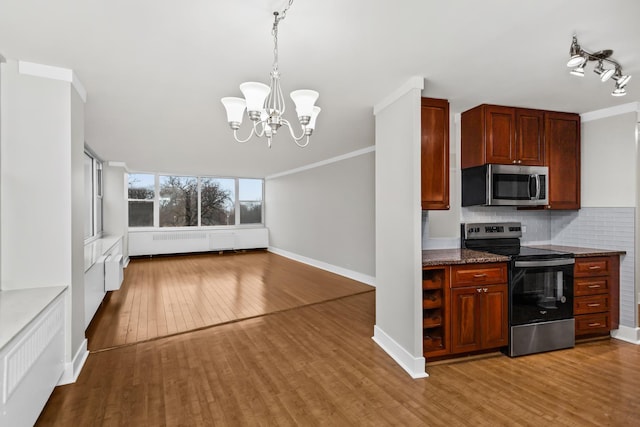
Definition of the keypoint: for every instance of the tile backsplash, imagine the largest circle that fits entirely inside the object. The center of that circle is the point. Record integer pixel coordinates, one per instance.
(601, 228)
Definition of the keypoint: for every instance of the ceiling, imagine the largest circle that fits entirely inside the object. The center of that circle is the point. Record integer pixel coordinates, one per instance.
(155, 70)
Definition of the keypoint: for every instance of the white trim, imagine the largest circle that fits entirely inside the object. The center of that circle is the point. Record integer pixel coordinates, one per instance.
(55, 73)
(118, 165)
(336, 159)
(364, 278)
(628, 334)
(415, 82)
(611, 111)
(414, 366)
(73, 368)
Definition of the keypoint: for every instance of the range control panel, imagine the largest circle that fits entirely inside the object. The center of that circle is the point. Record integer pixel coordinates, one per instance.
(491, 230)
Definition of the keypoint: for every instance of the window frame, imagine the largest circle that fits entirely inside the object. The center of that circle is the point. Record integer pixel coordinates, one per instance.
(156, 204)
(97, 196)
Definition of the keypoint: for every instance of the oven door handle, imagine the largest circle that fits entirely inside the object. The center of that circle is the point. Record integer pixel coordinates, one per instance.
(545, 263)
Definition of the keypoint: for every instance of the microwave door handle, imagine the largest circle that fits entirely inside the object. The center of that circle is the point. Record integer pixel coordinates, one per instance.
(536, 177)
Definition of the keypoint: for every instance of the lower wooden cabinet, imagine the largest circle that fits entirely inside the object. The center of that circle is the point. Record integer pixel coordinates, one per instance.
(596, 295)
(479, 318)
(465, 308)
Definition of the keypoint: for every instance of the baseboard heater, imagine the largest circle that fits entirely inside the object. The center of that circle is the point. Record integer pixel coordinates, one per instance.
(157, 242)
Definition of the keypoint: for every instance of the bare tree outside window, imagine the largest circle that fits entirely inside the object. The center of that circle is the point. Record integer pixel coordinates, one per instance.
(217, 204)
(178, 201)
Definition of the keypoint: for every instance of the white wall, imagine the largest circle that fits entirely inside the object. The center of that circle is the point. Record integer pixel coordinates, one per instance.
(608, 161)
(42, 191)
(114, 203)
(398, 327)
(324, 215)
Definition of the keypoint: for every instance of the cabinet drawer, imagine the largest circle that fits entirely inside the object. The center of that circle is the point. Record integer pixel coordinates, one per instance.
(590, 286)
(595, 266)
(478, 274)
(591, 304)
(592, 324)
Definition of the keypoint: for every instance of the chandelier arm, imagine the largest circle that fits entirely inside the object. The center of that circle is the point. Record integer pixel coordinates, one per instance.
(242, 141)
(295, 138)
(302, 145)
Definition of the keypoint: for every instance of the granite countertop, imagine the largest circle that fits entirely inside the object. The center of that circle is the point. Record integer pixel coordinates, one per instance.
(435, 257)
(19, 307)
(432, 257)
(580, 252)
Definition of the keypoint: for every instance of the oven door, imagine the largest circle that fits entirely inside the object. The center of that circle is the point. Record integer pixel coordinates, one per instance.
(541, 291)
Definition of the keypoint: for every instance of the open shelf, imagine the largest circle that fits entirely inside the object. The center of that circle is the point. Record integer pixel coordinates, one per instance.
(434, 312)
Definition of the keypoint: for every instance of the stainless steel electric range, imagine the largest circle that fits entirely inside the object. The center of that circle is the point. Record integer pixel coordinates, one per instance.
(540, 288)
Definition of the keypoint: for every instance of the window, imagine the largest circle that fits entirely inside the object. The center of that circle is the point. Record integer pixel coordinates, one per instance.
(250, 200)
(141, 199)
(92, 195)
(189, 201)
(178, 201)
(217, 204)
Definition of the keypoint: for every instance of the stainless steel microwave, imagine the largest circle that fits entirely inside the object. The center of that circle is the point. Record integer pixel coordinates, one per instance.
(505, 185)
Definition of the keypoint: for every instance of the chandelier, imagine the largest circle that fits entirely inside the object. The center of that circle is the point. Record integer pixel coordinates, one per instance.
(265, 104)
(580, 57)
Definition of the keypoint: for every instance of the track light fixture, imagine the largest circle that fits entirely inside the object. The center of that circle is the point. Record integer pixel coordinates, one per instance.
(579, 57)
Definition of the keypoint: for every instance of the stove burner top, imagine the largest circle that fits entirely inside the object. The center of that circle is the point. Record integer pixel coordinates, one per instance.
(525, 253)
(504, 239)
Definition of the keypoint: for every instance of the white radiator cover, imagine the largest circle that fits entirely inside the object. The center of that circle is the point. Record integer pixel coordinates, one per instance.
(157, 242)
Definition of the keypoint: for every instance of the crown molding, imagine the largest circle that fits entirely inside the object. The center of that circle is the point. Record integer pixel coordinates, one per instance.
(55, 73)
(632, 107)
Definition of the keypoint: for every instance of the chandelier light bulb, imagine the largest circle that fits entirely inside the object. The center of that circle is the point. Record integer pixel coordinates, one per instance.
(235, 110)
(305, 100)
(314, 116)
(255, 93)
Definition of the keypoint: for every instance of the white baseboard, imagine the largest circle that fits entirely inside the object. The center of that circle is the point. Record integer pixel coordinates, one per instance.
(413, 365)
(126, 261)
(628, 334)
(364, 278)
(73, 368)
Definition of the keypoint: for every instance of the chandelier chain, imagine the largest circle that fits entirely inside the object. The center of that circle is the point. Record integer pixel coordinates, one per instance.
(279, 16)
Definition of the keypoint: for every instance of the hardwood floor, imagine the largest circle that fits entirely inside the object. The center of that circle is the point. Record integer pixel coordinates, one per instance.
(164, 296)
(317, 365)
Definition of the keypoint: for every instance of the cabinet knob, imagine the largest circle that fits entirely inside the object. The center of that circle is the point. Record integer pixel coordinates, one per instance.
(514, 161)
(519, 161)
(479, 290)
(485, 289)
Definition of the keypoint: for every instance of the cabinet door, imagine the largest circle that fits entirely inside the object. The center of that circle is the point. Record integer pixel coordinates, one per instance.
(435, 153)
(465, 319)
(500, 136)
(494, 316)
(562, 140)
(530, 137)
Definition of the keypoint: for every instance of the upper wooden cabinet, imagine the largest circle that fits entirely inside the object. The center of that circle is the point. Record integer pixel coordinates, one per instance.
(562, 138)
(502, 135)
(434, 116)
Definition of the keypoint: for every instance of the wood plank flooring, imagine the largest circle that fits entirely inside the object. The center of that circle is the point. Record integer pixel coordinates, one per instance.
(317, 365)
(164, 296)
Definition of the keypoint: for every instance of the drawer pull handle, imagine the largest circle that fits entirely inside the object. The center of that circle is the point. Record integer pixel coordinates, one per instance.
(593, 286)
(594, 267)
(485, 290)
(479, 290)
(593, 325)
(593, 305)
(480, 275)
